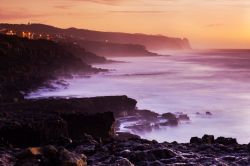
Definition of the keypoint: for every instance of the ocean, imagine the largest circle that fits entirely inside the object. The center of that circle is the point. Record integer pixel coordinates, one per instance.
(191, 82)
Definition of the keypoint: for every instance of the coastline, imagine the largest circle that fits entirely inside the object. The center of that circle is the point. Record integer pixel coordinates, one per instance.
(87, 131)
(81, 131)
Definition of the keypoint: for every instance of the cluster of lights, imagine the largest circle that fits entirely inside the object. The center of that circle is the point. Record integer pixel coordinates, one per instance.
(29, 35)
(10, 33)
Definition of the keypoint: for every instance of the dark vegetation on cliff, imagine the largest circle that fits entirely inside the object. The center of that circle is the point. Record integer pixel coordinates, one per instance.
(27, 64)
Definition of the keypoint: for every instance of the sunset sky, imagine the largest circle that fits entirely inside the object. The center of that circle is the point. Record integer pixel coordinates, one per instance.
(207, 23)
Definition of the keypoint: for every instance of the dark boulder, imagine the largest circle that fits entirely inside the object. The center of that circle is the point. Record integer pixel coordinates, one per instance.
(25, 129)
(126, 136)
(169, 115)
(226, 141)
(67, 158)
(208, 113)
(195, 140)
(97, 125)
(151, 155)
(49, 155)
(208, 139)
(171, 118)
(147, 114)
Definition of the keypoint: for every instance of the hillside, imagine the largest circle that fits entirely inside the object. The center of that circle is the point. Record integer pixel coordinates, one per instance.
(82, 53)
(108, 49)
(151, 42)
(27, 64)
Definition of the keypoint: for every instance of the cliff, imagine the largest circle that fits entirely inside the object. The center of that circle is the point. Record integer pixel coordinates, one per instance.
(151, 42)
(109, 49)
(27, 64)
(80, 52)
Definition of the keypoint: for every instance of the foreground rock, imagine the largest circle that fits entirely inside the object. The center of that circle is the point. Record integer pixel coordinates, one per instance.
(49, 155)
(58, 121)
(79, 132)
(129, 152)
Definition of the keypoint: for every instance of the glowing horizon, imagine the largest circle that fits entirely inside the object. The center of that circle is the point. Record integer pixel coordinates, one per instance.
(207, 24)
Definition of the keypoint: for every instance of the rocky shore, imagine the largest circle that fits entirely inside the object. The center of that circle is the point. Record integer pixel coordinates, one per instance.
(86, 131)
(83, 131)
(27, 64)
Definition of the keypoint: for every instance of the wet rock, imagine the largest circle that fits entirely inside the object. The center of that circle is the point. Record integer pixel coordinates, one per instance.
(30, 156)
(163, 153)
(208, 113)
(31, 129)
(126, 136)
(208, 139)
(151, 155)
(6, 159)
(139, 152)
(170, 123)
(229, 158)
(226, 141)
(61, 140)
(248, 147)
(122, 162)
(171, 118)
(67, 158)
(88, 149)
(183, 117)
(49, 155)
(148, 115)
(142, 126)
(169, 115)
(30, 153)
(195, 140)
(156, 163)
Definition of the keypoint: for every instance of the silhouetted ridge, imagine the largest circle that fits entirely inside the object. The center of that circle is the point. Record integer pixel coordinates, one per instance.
(151, 42)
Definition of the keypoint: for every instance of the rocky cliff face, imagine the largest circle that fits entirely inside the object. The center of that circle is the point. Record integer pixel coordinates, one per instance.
(26, 64)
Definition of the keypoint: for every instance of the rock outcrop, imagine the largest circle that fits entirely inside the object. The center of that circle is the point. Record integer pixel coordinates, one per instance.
(57, 121)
